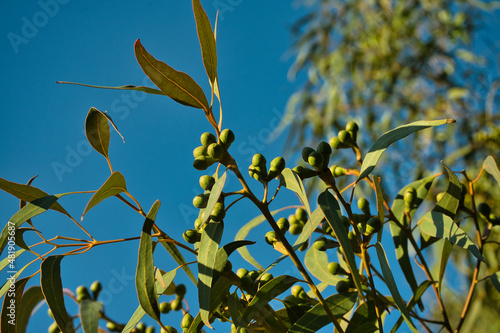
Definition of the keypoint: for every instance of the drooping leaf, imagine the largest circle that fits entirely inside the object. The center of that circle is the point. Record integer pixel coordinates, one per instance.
(235, 308)
(399, 238)
(380, 203)
(147, 90)
(177, 85)
(9, 259)
(89, 315)
(179, 258)
(491, 167)
(196, 325)
(317, 318)
(411, 304)
(441, 226)
(12, 306)
(243, 232)
(114, 185)
(292, 181)
(223, 254)
(389, 138)
(19, 237)
(391, 284)
(311, 225)
(330, 208)
(445, 255)
(364, 319)
(34, 208)
(52, 289)
(145, 278)
(29, 301)
(316, 263)
(209, 244)
(139, 312)
(97, 131)
(207, 40)
(277, 261)
(265, 294)
(214, 196)
(219, 292)
(28, 193)
(495, 280)
(12, 277)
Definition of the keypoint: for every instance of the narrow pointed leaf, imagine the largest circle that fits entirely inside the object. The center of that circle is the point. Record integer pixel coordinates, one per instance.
(28, 193)
(389, 138)
(235, 309)
(448, 204)
(97, 131)
(441, 226)
(9, 259)
(491, 167)
(14, 277)
(139, 312)
(12, 306)
(52, 289)
(19, 238)
(89, 315)
(411, 304)
(179, 258)
(207, 40)
(223, 254)
(147, 90)
(114, 185)
(29, 301)
(495, 280)
(443, 262)
(177, 85)
(196, 325)
(266, 293)
(293, 182)
(214, 196)
(219, 292)
(316, 318)
(34, 208)
(316, 263)
(145, 278)
(391, 284)
(209, 244)
(315, 219)
(330, 208)
(364, 319)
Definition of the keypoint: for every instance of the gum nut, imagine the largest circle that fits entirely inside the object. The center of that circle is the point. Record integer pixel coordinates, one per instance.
(258, 160)
(278, 164)
(301, 214)
(315, 159)
(200, 163)
(345, 137)
(335, 143)
(351, 126)
(207, 139)
(215, 151)
(324, 149)
(227, 137)
(199, 151)
(410, 195)
(306, 151)
(206, 182)
(241, 272)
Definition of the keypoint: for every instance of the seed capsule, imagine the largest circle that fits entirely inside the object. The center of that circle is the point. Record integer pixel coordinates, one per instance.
(207, 139)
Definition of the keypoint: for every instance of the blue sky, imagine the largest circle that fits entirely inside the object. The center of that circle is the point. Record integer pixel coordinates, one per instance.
(92, 42)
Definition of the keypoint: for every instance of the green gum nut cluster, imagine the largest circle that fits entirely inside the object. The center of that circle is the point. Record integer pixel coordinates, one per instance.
(345, 138)
(82, 293)
(210, 150)
(334, 268)
(297, 221)
(175, 304)
(317, 158)
(258, 168)
(186, 322)
(249, 281)
(170, 329)
(322, 244)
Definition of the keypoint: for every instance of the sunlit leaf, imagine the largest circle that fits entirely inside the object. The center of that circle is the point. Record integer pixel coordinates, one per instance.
(147, 90)
(114, 185)
(209, 244)
(411, 304)
(178, 257)
(207, 40)
(330, 208)
(317, 318)
(177, 85)
(316, 263)
(29, 301)
(12, 306)
(491, 167)
(52, 289)
(89, 315)
(388, 138)
(145, 278)
(12, 277)
(196, 325)
(19, 237)
(292, 181)
(364, 319)
(10, 258)
(315, 219)
(97, 131)
(391, 284)
(214, 196)
(224, 252)
(441, 226)
(219, 292)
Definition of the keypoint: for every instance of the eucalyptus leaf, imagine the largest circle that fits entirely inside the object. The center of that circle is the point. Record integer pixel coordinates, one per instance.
(292, 181)
(114, 185)
(207, 40)
(316, 262)
(491, 167)
(89, 315)
(364, 319)
(315, 219)
(388, 138)
(97, 131)
(214, 196)
(147, 90)
(30, 299)
(411, 304)
(12, 304)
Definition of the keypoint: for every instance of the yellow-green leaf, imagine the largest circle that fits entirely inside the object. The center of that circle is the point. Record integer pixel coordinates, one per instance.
(29, 301)
(491, 167)
(207, 40)
(114, 185)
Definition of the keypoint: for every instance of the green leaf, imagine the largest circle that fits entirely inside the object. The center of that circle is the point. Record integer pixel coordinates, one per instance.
(52, 289)
(235, 309)
(441, 226)
(89, 315)
(29, 301)
(380, 203)
(243, 232)
(19, 238)
(10, 258)
(12, 306)
(391, 284)
(223, 253)
(147, 90)
(411, 304)
(207, 40)
(114, 185)
(448, 204)
(311, 225)
(445, 255)
(218, 292)
(399, 238)
(6, 284)
(215, 193)
(316, 318)
(388, 138)
(209, 244)
(139, 312)
(495, 280)
(34, 208)
(196, 325)
(364, 319)
(177, 85)
(178, 257)
(97, 131)
(292, 181)
(277, 261)
(145, 275)
(316, 263)
(491, 167)
(28, 193)
(330, 208)
(265, 294)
